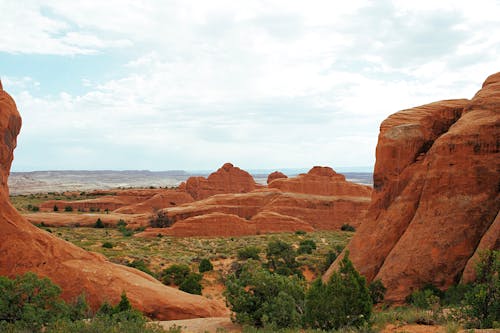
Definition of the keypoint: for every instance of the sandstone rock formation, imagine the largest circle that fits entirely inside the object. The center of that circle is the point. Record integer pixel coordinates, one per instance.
(436, 194)
(275, 175)
(227, 179)
(23, 248)
(318, 200)
(320, 181)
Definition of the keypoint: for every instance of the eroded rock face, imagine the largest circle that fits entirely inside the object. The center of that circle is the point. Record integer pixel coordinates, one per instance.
(275, 175)
(24, 248)
(227, 179)
(321, 181)
(435, 196)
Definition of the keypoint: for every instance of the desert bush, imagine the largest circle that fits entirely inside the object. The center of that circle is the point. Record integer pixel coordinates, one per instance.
(481, 304)
(343, 301)
(306, 246)
(300, 232)
(205, 266)
(347, 227)
(249, 252)
(262, 298)
(377, 291)
(425, 297)
(32, 208)
(281, 258)
(140, 265)
(191, 284)
(68, 209)
(331, 256)
(107, 245)
(30, 304)
(175, 274)
(160, 220)
(55, 208)
(99, 224)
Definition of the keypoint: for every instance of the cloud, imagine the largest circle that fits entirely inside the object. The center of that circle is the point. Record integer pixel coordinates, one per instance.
(259, 83)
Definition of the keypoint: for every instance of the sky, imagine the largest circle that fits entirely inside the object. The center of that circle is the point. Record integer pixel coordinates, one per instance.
(162, 85)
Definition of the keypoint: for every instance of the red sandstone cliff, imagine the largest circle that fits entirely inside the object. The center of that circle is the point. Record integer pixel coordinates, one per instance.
(24, 248)
(436, 194)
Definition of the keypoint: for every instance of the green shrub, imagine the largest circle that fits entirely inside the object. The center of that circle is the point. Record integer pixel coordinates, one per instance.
(343, 301)
(262, 298)
(281, 258)
(300, 232)
(249, 252)
(68, 209)
(205, 266)
(175, 274)
(140, 265)
(33, 208)
(331, 256)
(377, 291)
(482, 302)
(99, 224)
(121, 223)
(30, 302)
(191, 284)
(107, 245)
(425, 297)
(160, 220)
(56, 208)
(306, 246)
(347, 227)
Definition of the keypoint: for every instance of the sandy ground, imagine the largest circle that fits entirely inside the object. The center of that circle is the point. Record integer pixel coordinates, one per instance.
(201, 325)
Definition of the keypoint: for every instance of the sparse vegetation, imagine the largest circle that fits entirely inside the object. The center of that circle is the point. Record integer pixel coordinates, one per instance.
(205, 266)
(99, 224)
(107, 245)
(249, 252)
(68, 209)
(160, 220)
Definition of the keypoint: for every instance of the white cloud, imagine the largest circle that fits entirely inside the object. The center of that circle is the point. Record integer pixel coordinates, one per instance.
(263, 83)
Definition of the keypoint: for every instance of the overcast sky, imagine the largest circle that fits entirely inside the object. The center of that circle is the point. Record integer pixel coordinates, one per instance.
(159, 85)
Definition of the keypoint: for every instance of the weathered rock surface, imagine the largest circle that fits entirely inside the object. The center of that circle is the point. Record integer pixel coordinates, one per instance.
(435, 195)
(23, 248)
(227, 179)
(272, 210)
(321, 181)
(275, 175)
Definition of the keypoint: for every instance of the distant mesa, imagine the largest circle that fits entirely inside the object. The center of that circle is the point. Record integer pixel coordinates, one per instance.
(24, 248)
(436, 201)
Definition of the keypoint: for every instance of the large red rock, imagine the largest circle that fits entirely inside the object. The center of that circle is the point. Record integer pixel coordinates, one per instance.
(321, 181)
(23, 248)
(227, 179)
(435, 195)
(275, 175)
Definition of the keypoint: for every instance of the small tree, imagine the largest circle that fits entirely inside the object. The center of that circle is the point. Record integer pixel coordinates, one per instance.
(343, 301)
(175, 274)
(68, 209)
(99, 224)
(205, 266)
(160, 220)
(191, 284)
(281, 258)
(306, 246)
(482, 303)
(56, 208)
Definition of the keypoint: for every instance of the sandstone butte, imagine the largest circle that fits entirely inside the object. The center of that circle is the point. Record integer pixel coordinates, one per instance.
(318, 200)
(436, 195)
(227, 179)
(23, 248)
(275, 175)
